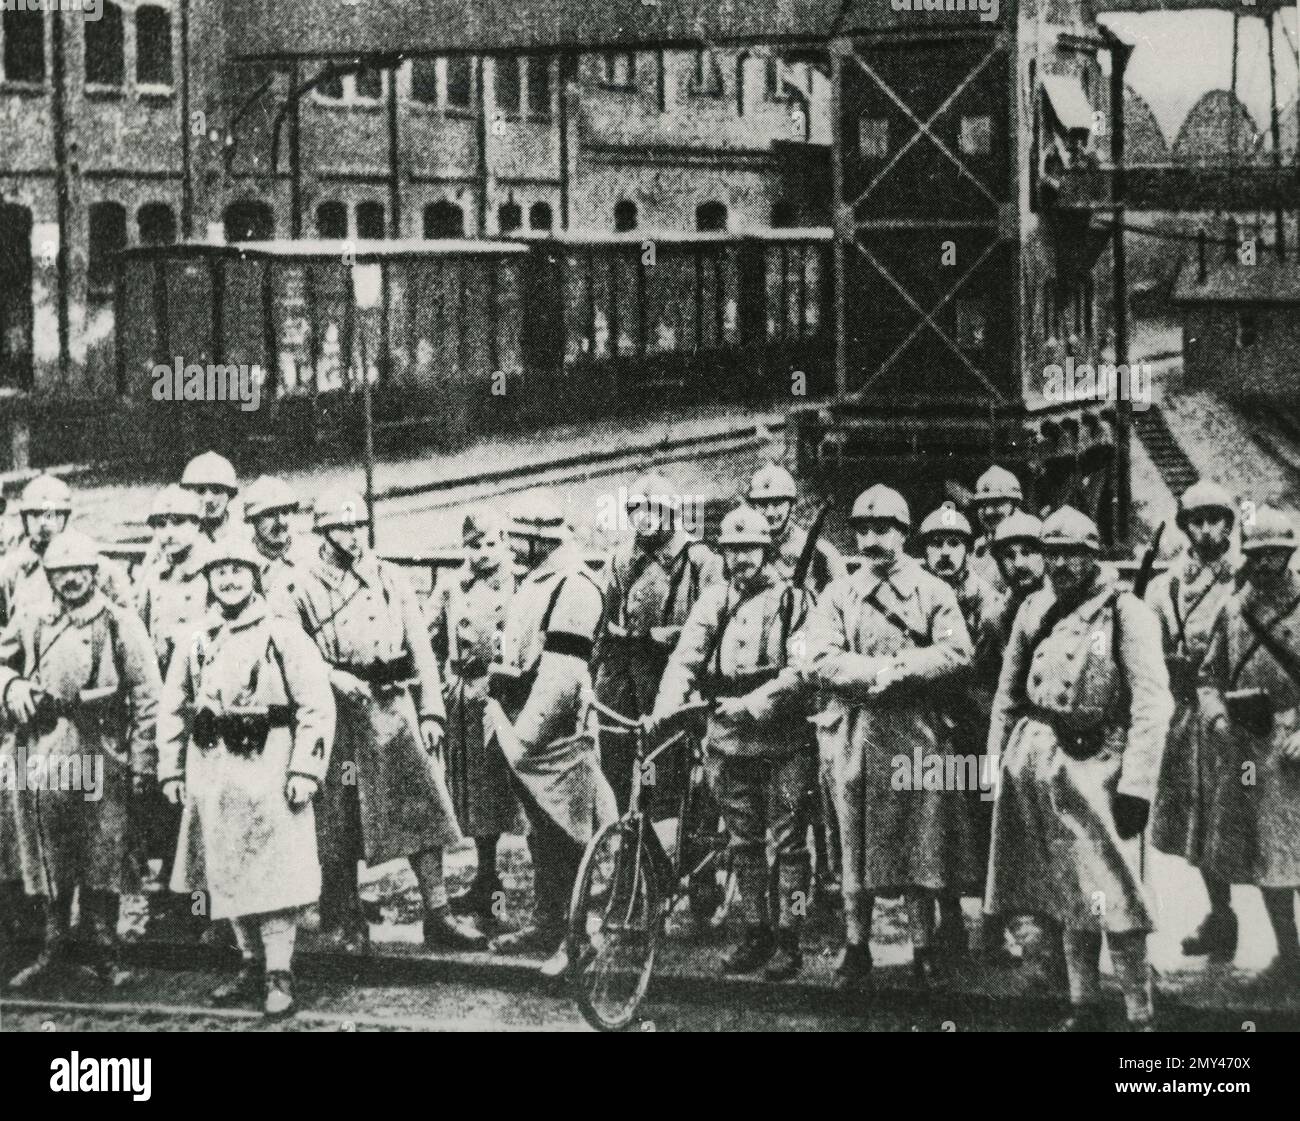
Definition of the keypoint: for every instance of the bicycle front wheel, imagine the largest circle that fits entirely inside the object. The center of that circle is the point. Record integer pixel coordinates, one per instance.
(615, 919)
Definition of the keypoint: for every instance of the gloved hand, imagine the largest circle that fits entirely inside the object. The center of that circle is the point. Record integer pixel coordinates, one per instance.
(299, 790)
(20, 699)
(174, 791)
(1130, 814)
(431, 731)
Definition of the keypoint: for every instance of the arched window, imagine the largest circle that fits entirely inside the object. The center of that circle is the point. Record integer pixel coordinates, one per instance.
(156, 223)
(105, 49)
(370, 220)
(443, 219)
(153, 45)
(332, 220)
(107, 239)
(539, 216)
(710, 217)
(625, 216)
(510, 217)
(248, 220)
(782, 214)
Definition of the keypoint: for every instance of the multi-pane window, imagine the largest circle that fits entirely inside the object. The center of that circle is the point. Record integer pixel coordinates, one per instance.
(625, 216)
(506, 84)
(444, 219)
(105, 48)
(153, 46)
(24, 45)
(365, 86)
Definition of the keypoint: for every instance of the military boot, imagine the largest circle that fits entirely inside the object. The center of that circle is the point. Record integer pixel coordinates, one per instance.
(445, 931)
(243, 988)
(854, 968)
(279, 995)
(1215, 938)
(788, 960)
(755, 949)
(53, 949)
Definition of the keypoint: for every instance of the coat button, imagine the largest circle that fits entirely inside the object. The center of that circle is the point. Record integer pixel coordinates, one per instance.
(1037, 679)
(1062, 698)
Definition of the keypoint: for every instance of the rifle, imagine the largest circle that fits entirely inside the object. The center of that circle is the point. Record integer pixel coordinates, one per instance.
(801, 569)
(1143, 578)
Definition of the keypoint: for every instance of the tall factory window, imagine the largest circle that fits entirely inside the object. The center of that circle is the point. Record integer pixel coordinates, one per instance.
(107, 239)
(248, 220)
(424, 81)
(539, 86)
(625, 216)
(1247, 329)
(873, 137)
(782, 214)
(711, 217)
(505, 84)
(153, 46)
(105, 50)
(774, 80)
(706, 78)
(156, 223)
(460, 82)
(332, 220)
(971, 320)
(370, 220)
(539, 216)
(23, 31)
(618, 70)
(443, 219)
(976, 135)
(510, 217)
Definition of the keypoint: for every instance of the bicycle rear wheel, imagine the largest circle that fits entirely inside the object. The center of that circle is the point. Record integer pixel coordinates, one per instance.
(615, 920)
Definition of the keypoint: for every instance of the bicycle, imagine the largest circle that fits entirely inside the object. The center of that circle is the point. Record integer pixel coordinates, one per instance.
(628, 885)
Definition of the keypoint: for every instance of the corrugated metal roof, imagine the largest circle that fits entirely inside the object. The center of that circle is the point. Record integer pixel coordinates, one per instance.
(1268, 281)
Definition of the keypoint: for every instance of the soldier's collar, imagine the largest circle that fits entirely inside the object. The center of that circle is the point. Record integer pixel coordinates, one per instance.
(1224, 569)
(254, 612)
(903, 577)
(1099, 595)
(83, 613)
(468, 577)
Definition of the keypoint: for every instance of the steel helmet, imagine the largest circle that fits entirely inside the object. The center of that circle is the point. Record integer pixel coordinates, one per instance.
(539, 518)
(174, 501)
(744, 526)
(1068, 528)
(339, 509)
(1205, 495)
(1018, 527)
(882, 502)
(45, 492)
(654, 490)
(946, 519)
(231, 549)
(210, 470)
(71, 549)
(267, 494)
(1268, 528)
(483, 521)
(997, 484)
(771, 483)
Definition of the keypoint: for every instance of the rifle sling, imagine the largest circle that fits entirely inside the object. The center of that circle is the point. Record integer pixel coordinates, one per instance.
(1259, 631)
(1264, 638)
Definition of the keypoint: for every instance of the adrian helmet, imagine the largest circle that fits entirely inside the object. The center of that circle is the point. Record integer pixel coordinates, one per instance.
(210, 470)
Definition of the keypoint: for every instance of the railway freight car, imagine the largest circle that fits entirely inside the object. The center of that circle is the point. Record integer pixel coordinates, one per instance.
(464, 337)
(974, 195)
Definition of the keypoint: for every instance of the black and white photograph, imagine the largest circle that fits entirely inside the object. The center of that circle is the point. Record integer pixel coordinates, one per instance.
(650, 515)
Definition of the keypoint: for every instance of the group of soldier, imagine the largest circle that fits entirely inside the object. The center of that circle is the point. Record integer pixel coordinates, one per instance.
(992, 715)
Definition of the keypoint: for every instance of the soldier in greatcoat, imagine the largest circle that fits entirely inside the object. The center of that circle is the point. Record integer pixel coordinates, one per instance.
(1187, 599)
(654, 578)
(945, 537)
(466, 621)
(79, 679)
(1079, 724)
(386, 794)
(734, 651)
(541, 692)
(773, 493)
(883, 644)
(1250, 704)
(269, 507)
(245, 731)
(997, 495)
